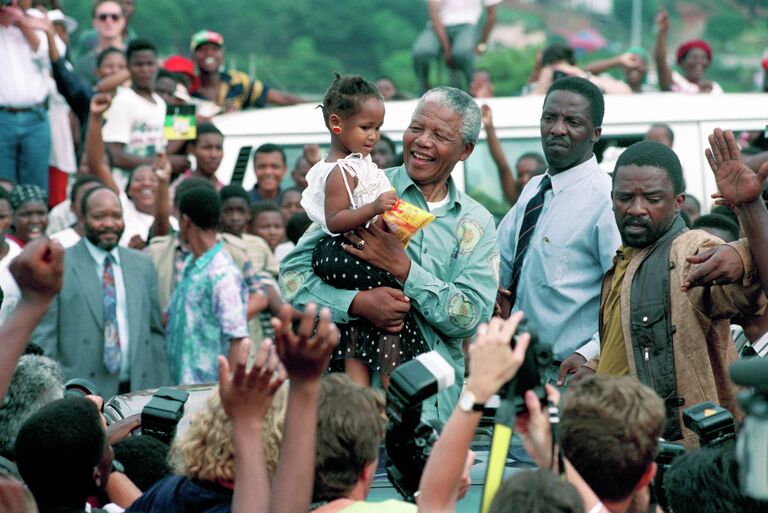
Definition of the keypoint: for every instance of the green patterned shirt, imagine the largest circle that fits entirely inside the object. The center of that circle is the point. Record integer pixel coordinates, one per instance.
(452, 282)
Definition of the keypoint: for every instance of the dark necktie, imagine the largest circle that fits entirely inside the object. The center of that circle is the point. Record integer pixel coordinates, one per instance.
(532, 212)
(112, 354)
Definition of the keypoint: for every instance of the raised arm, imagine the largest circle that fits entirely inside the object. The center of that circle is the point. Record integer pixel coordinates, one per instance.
(246, 397)
(492, 363)
(38, 271)
(743, 188)
(282, 98)
(123, 159)
(508, 185)
(109, 83)
(305, 354)
(625, 60)
(161, 224)
(534, 76)
(94, 143)
(28, 27)
(664, 71)
(46, 25)
(68, 84)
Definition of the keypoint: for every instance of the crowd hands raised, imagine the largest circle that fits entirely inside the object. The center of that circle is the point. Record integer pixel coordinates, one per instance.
(207, 285)
(328, 431)
(69, 433)
(110, 59)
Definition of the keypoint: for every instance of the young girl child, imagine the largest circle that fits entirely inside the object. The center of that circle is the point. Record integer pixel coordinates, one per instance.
(346, 190)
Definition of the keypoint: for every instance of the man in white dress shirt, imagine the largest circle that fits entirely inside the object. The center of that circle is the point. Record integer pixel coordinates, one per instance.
(555, 275)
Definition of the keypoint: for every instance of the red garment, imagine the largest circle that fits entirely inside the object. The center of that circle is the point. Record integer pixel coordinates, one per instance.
(57, 186)
(14, 239)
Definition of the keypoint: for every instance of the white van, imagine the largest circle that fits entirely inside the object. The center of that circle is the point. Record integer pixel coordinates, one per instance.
(627, 117)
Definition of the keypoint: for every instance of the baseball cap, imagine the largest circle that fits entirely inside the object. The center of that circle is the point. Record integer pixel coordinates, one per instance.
(206, 36)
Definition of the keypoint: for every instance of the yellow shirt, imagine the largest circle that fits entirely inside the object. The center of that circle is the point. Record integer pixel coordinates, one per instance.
(613, 355)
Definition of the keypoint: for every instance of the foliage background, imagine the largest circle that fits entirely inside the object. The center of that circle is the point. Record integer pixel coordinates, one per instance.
(294, 45)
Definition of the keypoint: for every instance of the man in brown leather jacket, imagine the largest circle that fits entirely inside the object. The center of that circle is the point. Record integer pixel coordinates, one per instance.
(656, 325)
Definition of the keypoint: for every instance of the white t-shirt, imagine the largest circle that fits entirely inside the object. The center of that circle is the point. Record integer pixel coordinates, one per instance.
(11, 291)
(681, 85)
(67, 238)
(14, 250)
(459, 12)
(24, 72)
(136, 122)
(60, 217)
(62, 143)
(434, 205)
(371, 182)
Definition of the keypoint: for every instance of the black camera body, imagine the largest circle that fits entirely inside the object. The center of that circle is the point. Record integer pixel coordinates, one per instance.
(79, 387)
(528, 377)
(162, 414)
(409, 441)
(713, 424)
(715, 428)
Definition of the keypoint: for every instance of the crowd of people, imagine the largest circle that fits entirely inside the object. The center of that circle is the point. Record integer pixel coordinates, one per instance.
(458, 31)
(127, 265)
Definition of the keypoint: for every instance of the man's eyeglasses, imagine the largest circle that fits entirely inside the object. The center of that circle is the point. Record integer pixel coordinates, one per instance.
(106, 16)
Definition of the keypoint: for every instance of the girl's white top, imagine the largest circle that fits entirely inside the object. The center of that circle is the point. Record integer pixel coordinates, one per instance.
(371, 182)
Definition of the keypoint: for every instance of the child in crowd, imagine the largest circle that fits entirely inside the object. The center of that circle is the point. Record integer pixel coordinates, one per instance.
(347, 190)
(268, 223)
(290, 203)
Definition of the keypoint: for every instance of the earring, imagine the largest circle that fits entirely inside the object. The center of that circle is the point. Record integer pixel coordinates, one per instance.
(336, 130)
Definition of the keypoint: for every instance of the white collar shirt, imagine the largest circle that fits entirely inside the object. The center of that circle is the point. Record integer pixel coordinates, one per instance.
(571, 248)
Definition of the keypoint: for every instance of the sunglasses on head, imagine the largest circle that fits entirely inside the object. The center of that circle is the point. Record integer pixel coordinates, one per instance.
(106, 16)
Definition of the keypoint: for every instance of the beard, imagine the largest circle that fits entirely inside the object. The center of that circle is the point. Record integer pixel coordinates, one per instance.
(639, 232)
(105, 239)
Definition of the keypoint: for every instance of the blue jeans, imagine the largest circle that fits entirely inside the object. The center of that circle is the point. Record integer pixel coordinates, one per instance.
(427, 48)
(25, 147)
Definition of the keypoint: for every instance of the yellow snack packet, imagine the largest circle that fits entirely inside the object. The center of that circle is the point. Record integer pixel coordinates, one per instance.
(405, 219)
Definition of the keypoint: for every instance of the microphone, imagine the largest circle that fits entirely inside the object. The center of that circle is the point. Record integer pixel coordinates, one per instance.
(751, 373)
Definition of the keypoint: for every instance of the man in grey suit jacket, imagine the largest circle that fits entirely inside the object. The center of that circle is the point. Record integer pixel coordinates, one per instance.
(73, 330)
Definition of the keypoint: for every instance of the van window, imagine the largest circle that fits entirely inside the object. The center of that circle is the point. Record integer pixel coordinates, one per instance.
(244, 163)
(481, 176)
(292, 154)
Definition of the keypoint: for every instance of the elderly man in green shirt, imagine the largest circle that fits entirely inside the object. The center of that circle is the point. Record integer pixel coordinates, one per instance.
(450, 269)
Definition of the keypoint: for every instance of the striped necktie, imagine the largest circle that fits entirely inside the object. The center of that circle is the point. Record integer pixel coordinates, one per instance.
(532, 212)
(112, 354)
